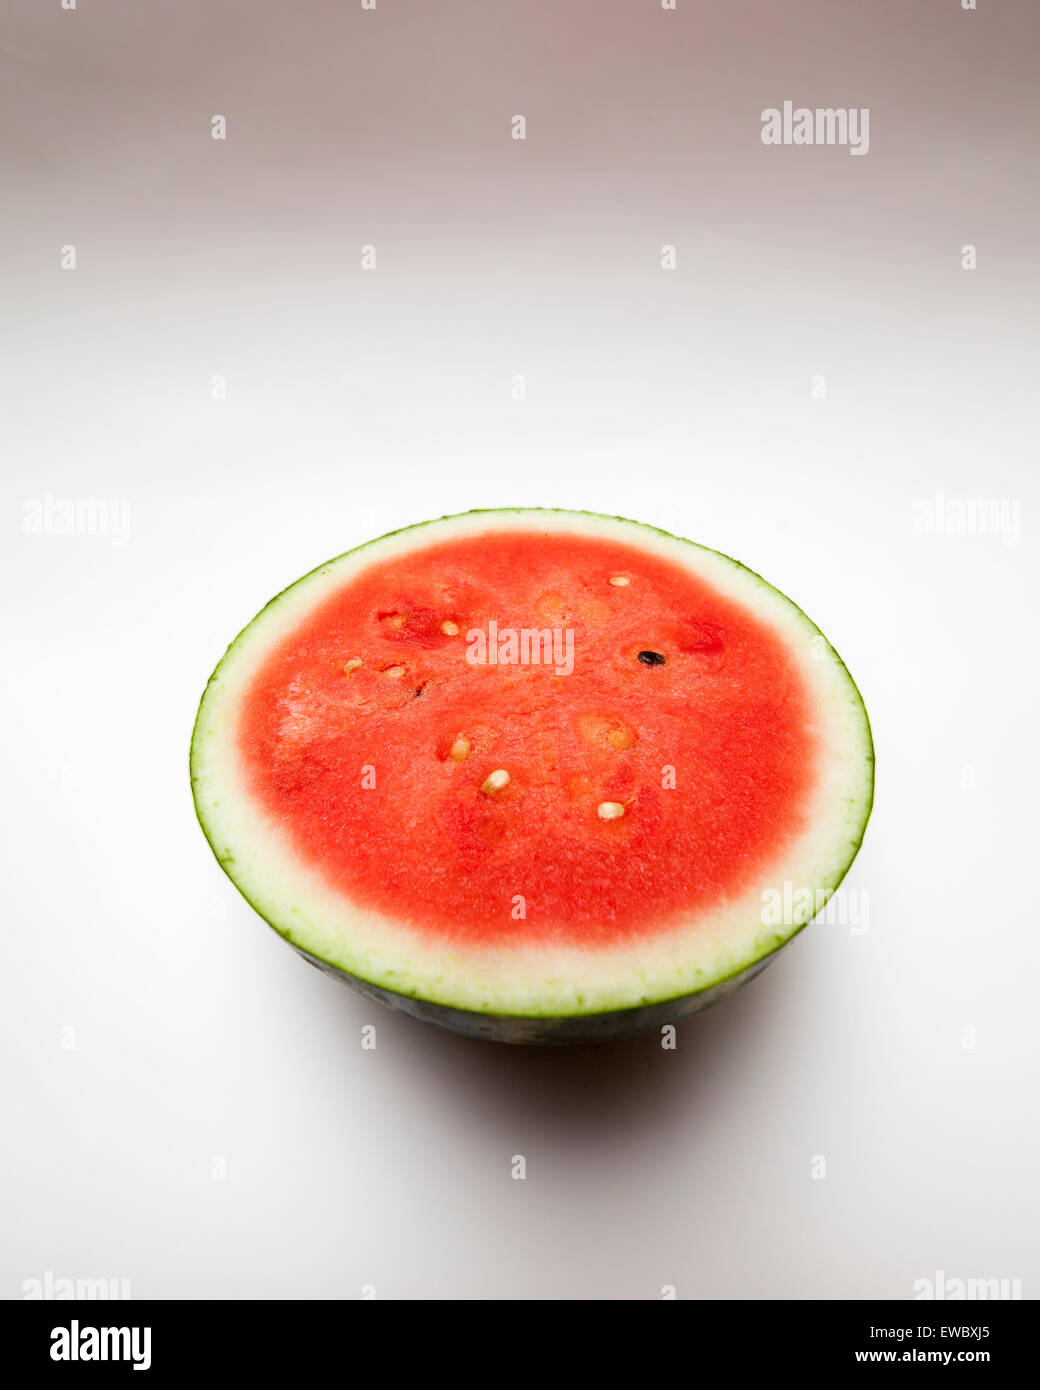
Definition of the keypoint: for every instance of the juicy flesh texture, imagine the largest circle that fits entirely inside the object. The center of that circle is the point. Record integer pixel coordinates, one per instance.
(710, 753)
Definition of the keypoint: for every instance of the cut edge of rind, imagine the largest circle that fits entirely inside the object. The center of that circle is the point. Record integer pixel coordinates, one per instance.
(614, 1025)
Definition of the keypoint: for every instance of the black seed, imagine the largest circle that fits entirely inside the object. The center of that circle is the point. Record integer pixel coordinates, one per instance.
(651, 658)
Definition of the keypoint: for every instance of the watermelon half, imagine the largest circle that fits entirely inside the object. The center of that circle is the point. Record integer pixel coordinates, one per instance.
(536, 776)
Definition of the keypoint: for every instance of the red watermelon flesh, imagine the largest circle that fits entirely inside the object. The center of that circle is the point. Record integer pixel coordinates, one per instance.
(710, 752)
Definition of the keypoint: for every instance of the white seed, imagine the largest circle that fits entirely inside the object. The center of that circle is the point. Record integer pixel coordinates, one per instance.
(353, 664)
(496, 781)
(394, 672)
(610, 810)
(459, 750)
(394, 620)
(619, 580)
(449, 628)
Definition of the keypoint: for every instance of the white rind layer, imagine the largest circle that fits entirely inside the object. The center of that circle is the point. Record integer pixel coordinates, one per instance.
(531, 981)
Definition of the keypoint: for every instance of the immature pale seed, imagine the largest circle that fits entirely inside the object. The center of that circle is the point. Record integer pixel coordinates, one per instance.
(496, 781)
(619, 580)
(394, 620)
(610, 810)
(459, 750)
(449, 628)
(353, 664)
(394, 672)
(602, 731)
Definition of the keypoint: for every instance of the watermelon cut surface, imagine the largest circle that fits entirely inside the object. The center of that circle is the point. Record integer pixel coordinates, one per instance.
(534, 775)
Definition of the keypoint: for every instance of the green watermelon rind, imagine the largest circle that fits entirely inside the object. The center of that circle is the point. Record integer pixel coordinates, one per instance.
(534, 1025)
(608, 1026)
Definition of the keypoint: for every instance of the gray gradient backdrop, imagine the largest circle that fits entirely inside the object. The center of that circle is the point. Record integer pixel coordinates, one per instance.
(362, 400)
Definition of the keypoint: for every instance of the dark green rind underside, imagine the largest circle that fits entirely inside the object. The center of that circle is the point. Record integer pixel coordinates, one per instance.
(545, 1029)
(575, 1028)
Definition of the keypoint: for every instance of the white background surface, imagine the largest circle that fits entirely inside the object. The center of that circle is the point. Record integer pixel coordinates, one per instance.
(360, 401)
